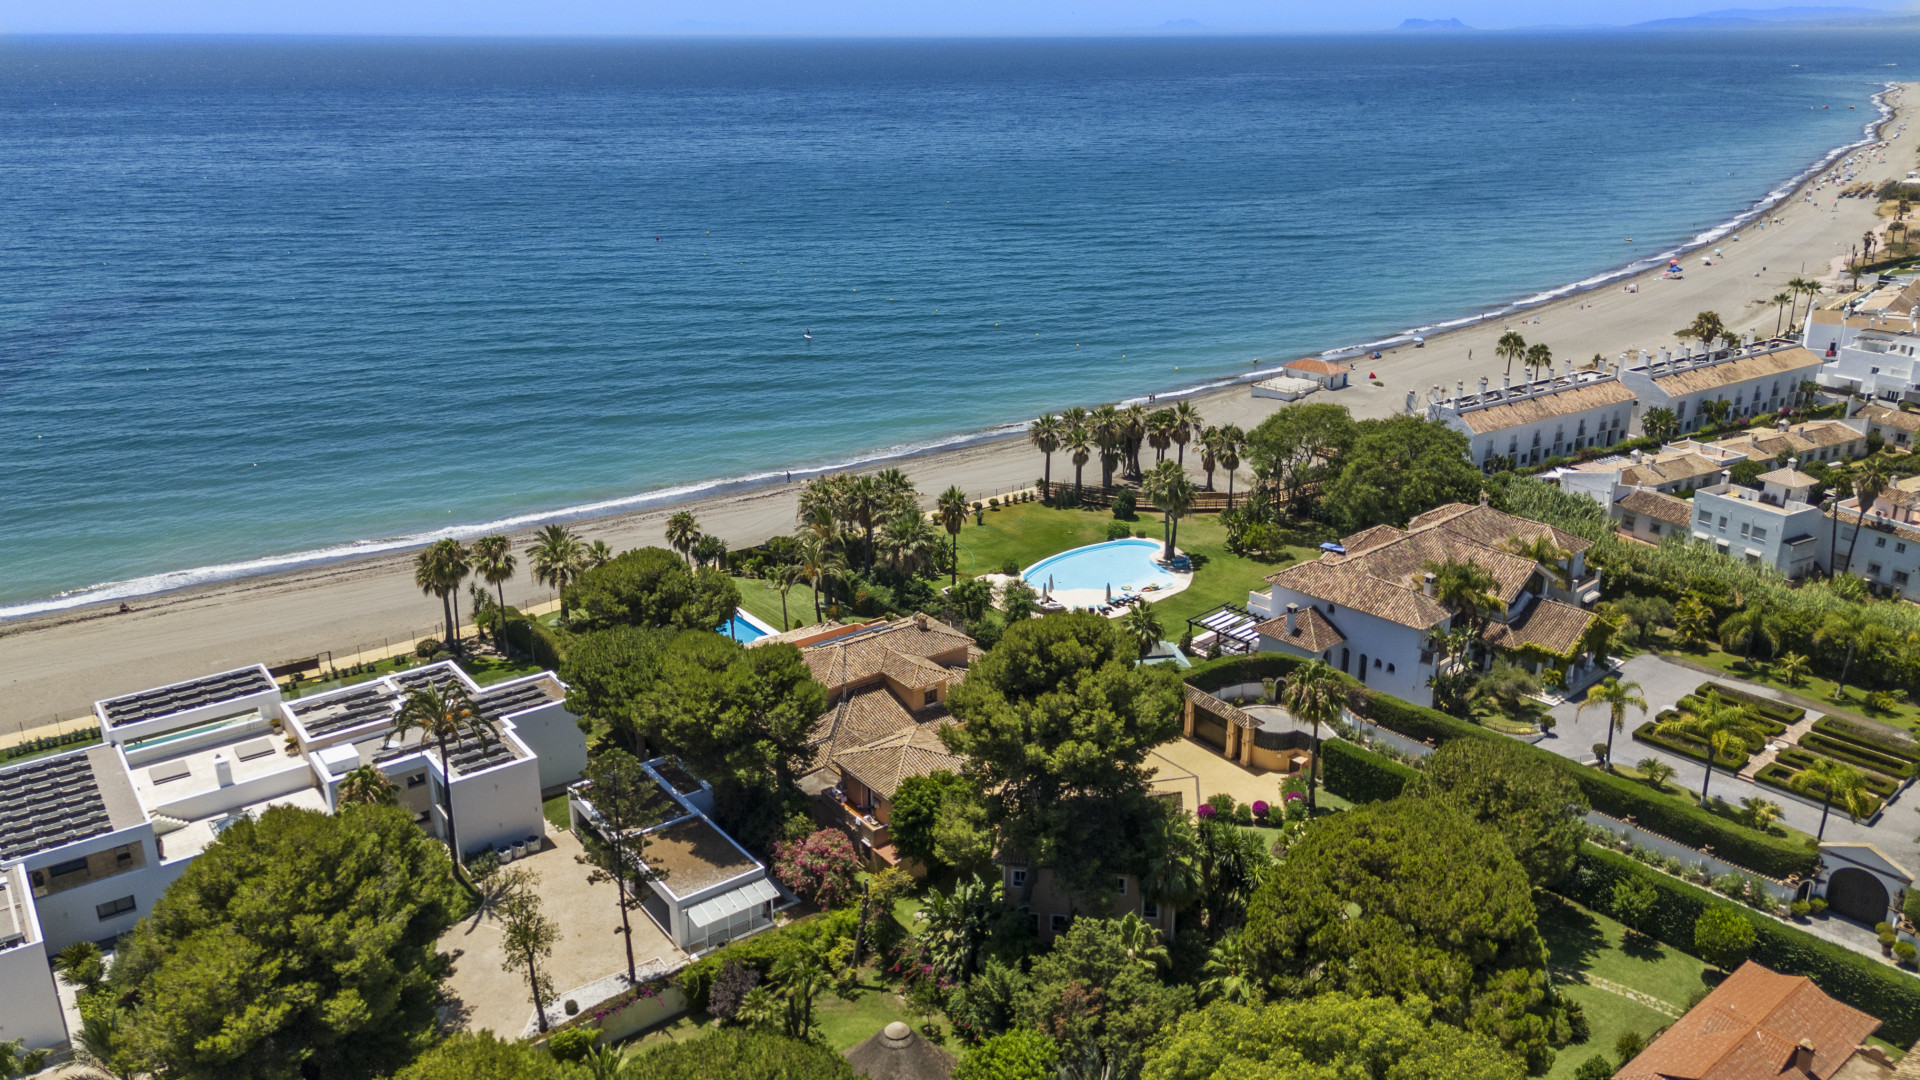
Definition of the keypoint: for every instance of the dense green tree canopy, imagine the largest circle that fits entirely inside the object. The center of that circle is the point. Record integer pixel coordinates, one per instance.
(608, 671)
(651, 587)
(1397, 468)
(1410, 898)
(916, 809)
(1058, 721)
(1330, 1037)
(1299, 447)
(297, 945)
(739, 718)
(1020, 1054)
(1500, 783)
(467, 1056)
(738, 1054)
(1088, 994)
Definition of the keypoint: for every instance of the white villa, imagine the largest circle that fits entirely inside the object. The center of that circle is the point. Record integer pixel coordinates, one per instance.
(1773, 525)
(1539, 419)
(89, 839)
(1871, 348)
(1370, 609)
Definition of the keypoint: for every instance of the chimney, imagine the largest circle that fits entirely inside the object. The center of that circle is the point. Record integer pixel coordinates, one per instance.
(1803, 1056)
(1413, 400)
(1293, 619)
(1746, 340)
(1793, 463)
(1426, 583)
(1483, 386)
(223, 770)
(1666, 356)
(1726, 476)
(920, 619)
(1506, 383)
(1460, 388)
(1638, 456)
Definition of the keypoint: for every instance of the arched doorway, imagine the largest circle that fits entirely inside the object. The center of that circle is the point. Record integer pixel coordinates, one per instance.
(1858, 895)
(1363, 667)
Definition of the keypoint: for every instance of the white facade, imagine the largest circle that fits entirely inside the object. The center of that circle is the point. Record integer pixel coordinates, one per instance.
(1872, 348)
(1547, 417)
(1751, 379)
(29, 1006)
(1388, 656)
(1772, 526)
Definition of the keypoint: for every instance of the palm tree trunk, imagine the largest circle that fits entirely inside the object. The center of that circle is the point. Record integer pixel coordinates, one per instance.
(1709, 777)
(446, 612)
(502, 627)
(814, 585)
(1842, 684)
(1313, 771)
(1168, 531)
(446, 802)
(1229, 489)
(1049, 476)
(1858, 524)
(1612, 723)
(784, 622)
(453, 636)
(956, 557)
(1824, 807)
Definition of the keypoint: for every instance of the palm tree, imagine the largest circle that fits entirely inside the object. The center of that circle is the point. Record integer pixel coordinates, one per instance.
(596, 555)
(815, 563)
(365, 786)
(1232, 441)
(1143, 626)
(710, 551)
(1105, 426)
(1868, 485)
(1847, 626)
(1660, 423)
(1656, 772)
(682, 530)
(866, 501)
(556, 557)
(1133, 433)
(952, 508)
(1078, 442)
(1209, 453)
(1831, 778)
(784, 579)
(1705, 328)
(1549, 555)
(1617, 697)
(1044, 434)
(910, 541)
(1313, 694)
(445, 715)
(1142, 942)
(1802, 285)
(1780, 301)
(1466, 590)
(1793, 667)
(1169, 489)
(1713, 722)
(1160, 424)
(438, 570)
(1750, 626)
(1510, 347)
(493, 560)
(1539, 357)
(1187, 424)
(1228, 973)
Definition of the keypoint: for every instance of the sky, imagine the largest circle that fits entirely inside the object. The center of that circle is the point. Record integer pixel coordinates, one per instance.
(819, 17)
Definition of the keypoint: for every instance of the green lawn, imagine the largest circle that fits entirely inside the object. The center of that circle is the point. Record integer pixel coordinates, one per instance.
(1028, 532)
(1813, 688)
(555, 811)
(758, 597)
(842, 1024)
(1579, 940)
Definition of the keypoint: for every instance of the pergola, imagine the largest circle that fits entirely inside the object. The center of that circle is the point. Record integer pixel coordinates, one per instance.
(1232, 626)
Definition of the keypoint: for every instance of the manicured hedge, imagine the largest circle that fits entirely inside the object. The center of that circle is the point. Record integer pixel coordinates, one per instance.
(1855, 754)
(1860, 981)
(1769, 707)
(1796, 759)
(1889, 741)
(762, 951)
(1616, 796)
(1774, 774)
(49, 742)
(1360, 775)
(1763, 727)
(547, 646)
(1687, 746)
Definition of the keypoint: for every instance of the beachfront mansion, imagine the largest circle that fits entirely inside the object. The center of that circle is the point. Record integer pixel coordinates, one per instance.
(90, 838)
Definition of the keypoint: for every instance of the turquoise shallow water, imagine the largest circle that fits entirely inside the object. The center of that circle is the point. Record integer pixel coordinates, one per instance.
(260, 299)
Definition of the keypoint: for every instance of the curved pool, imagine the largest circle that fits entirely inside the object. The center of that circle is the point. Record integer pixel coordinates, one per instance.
(1082, 576)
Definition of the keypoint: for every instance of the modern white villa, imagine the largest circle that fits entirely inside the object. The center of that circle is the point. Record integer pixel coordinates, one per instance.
(1871, 348)
(89, 839)
(1371, 607)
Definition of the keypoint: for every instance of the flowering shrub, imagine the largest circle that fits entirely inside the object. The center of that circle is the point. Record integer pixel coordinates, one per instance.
(1204, 810)
(820, 868)
(1260, 808)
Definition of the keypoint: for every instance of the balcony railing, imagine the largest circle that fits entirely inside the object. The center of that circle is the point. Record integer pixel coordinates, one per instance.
(865, 827)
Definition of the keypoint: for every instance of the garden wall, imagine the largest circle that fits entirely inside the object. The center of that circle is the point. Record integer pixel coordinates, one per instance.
(1692, 857)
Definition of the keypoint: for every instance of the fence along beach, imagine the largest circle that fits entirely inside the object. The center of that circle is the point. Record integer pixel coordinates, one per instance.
(61, 658)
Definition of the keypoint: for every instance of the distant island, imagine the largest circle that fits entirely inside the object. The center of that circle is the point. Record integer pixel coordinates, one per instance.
(1434, 24)
(1762, 16)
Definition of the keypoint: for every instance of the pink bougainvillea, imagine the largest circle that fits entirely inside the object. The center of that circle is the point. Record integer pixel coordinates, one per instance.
(821, 868)
(1260, 808)
(1204, 810)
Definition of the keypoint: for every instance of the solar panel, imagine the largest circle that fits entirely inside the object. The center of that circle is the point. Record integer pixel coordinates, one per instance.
(162, 701)
(49, 802)
(348, 710)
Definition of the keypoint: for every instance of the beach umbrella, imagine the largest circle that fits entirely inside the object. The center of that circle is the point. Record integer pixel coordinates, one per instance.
(1109, 592)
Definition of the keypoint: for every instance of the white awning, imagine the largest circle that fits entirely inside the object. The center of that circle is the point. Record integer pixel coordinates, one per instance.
(707, 912)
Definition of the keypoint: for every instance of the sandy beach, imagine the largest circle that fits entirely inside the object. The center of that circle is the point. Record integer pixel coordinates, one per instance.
(57, 663)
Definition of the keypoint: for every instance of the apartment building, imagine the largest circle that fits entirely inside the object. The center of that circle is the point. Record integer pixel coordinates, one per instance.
(1869, 348)
(1773, 525)
(1545, 417)
(1751, 378)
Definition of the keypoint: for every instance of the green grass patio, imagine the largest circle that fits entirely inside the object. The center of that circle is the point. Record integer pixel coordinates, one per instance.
(1028, 532)
(1595, 964)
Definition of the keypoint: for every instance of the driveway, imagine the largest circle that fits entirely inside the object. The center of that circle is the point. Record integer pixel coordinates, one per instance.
(489, 997)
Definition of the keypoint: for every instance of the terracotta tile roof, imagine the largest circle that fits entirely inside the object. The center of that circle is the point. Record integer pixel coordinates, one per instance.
(1790, 478)
(1814, 435)
(1547, 405)
(1406, 559)
(1694, 380)
(1371, 537)
(890, 650)
(1229, 713)
(1351, 586)
(1546, 624)
(1892, 418)
(1484, 524)
(1317, 367)
(1668, 469)
(1650, 503)
(915, 751)
(1750, 1027)
(863, 715)
(1312, 631)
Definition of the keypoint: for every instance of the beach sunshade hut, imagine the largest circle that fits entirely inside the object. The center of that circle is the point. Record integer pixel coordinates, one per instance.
(898, 1052)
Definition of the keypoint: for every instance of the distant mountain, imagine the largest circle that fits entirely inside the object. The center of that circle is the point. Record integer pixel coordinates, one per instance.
(1762, 16)
(1434, 24)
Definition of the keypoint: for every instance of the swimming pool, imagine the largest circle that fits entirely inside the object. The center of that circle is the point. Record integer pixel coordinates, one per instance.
(744, 627)
(1081, 577)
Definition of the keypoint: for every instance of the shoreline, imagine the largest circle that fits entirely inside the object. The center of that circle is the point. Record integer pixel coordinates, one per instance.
(312, 602)
(692, 495)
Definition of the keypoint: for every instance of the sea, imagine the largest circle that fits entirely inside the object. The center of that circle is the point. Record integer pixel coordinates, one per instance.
(265, 302)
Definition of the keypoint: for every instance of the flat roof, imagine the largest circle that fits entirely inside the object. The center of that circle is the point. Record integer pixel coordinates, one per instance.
(192, 694)
(55, 801)
(250, 755)
(694, 855)
(466, 756)
(499, 702)
(341, 710)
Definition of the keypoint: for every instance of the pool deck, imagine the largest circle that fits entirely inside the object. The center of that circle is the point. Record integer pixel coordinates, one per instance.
(1077, 599)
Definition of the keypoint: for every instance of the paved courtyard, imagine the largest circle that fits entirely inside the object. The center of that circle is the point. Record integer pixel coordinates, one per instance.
(587, 915)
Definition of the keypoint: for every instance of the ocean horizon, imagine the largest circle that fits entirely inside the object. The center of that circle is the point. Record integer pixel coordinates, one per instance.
(272, 301)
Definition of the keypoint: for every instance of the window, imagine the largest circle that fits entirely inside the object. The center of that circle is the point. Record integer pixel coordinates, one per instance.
(1120, 885)
(1723, 523)
(113, 909)
(1900, 577)
(1376, 663)
(1653, 527)
(933, 697)
(1878, 541)
(1149, 911)
(1873, 568)
(416, 779)
(1389, 669)
(1705, 519)
(1629, 522)
(1018, 876)
(1057, 924)
(1759, 533)
(71, 866)
(1743, 530)
(1899, 549)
